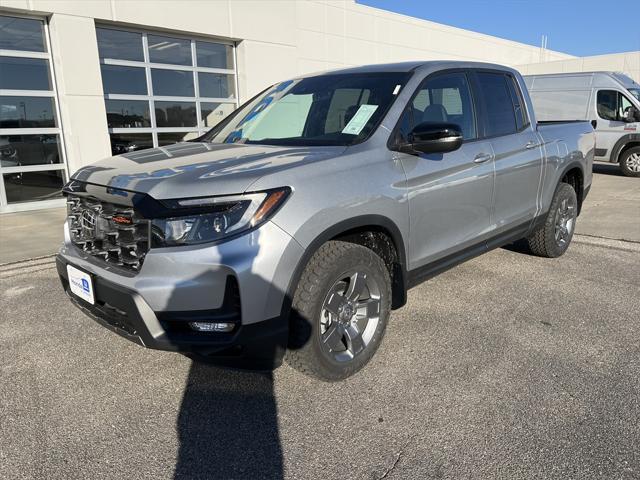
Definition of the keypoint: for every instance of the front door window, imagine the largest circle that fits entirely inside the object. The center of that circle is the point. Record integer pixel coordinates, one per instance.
(613, 105)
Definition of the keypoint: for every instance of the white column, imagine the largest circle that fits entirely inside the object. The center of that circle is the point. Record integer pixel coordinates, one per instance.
(74, 51)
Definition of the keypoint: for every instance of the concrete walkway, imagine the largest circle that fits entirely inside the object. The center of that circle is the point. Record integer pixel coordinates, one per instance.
(612, 210)
(33, 234)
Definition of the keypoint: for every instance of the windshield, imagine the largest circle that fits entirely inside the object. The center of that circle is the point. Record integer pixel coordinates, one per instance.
(332, 109)
(635, 92)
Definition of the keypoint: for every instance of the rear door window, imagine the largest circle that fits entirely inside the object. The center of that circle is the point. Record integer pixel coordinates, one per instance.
(499, 110)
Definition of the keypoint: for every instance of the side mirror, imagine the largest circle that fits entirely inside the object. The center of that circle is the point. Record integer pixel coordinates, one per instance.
(435, 137)
(631, 114)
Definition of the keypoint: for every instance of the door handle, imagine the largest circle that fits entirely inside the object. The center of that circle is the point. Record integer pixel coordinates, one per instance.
(482, 157)
(531, 145)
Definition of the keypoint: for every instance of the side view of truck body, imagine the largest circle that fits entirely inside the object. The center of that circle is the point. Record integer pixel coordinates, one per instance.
(301, 220)
(611, 101)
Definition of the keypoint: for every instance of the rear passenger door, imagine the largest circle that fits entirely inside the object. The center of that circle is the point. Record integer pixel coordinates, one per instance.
(516, 148)
(450, 194)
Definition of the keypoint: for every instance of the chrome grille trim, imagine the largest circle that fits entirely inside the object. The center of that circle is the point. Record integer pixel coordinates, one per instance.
(94, 231)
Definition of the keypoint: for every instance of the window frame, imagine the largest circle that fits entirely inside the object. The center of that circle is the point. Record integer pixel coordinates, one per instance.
(200, 128)
(408, 75)
(517, 89)
(6, 207)
(620, 94)
(392, 142)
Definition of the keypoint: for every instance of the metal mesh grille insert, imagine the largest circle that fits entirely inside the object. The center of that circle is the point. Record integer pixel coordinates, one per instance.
(113, 233)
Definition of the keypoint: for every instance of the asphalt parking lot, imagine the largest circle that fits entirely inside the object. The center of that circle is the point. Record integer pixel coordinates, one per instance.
(509, 366)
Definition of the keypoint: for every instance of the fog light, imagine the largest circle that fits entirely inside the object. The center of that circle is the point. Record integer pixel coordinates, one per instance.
(212, 327)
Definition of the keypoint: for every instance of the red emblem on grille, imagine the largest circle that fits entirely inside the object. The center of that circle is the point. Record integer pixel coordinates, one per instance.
(122, 220)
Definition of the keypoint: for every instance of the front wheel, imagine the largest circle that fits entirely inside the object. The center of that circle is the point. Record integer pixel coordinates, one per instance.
(340, 310)
(554, 237)
(630, 162)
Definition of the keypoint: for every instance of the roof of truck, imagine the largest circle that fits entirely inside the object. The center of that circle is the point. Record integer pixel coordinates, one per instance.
(412, 66)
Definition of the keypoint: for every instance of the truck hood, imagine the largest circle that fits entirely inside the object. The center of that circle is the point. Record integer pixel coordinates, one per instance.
(194, 169)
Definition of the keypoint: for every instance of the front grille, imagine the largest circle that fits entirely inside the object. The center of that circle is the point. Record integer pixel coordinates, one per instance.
(112, 233)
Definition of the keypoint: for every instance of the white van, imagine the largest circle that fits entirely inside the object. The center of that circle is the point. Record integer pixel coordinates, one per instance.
(610, 101)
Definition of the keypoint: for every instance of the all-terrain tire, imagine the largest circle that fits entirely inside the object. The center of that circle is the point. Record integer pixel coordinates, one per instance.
(331, 262)
(544, 241)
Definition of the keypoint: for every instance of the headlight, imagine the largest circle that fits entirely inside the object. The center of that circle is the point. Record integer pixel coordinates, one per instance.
(214, 218)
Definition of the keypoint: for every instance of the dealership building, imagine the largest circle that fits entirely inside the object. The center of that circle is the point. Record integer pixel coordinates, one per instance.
(84, 79)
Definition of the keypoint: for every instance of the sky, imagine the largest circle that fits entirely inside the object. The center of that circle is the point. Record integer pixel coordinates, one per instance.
(579, 28)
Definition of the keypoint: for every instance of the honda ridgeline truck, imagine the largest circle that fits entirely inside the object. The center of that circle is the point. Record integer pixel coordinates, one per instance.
(301, 220)
(610, 101)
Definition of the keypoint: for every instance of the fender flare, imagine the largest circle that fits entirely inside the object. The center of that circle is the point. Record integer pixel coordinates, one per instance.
(571, 166)
(621, 143)
(345, 226)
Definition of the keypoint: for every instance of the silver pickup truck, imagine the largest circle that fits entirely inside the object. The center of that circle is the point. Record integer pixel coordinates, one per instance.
(300, 221)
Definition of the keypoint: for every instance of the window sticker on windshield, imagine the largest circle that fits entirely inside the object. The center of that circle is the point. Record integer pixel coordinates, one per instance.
(360, 119)
(397, 89)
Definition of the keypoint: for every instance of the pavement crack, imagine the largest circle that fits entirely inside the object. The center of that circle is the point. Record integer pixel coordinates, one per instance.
(396, 460)
(626, 240)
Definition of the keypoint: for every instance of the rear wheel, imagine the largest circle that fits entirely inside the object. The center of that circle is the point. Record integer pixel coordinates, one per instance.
(554, 237)
(340, 311)
(630, 162)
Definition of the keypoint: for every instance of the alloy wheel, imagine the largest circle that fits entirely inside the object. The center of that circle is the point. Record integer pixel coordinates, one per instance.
(565, 221)
(349, 316)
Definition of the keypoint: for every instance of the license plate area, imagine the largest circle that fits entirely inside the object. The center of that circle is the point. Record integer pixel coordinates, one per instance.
(81, 284)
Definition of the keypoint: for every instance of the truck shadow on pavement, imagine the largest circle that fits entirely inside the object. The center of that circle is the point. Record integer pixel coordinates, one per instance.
(228, 426)
(228, 421)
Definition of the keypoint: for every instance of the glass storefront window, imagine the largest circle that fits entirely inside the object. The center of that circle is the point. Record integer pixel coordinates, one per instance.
(24, 34)
(33, 186)
(24, 74)
(130, 142)
(119, 44)
(216, 85)
(172, 83)
(32, 161)
(175, 137)
(128, 113)
(175, 51)
(27, 150)
(176, 114)
(214, 55)
(213, 113)
(125, 80)
(27, 112)
(192, 86)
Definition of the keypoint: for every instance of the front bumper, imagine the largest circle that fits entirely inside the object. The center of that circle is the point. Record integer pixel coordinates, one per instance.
(243, 281)
(258, 346)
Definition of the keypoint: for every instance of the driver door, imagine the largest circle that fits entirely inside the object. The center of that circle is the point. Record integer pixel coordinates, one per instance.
(611, 107)
(450, 194)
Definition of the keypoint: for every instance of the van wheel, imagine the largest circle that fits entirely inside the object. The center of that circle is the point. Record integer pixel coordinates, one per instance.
(630, 162)
(340, 311)
(554, 237)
